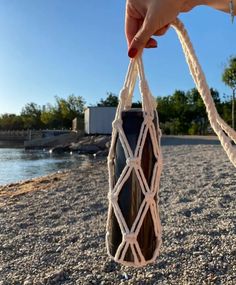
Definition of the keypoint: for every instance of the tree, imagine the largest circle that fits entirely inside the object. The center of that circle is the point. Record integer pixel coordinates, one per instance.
(31, 116)
(67, 109)
(226, 109)
(76, 104)
(48, 117)
(185, 112)
(63, 112)
(180, 108)
(229, 78)
(165, 108)
(197, 109)
(11, 122)
(111, 101)
(197, 113)
(137, 104)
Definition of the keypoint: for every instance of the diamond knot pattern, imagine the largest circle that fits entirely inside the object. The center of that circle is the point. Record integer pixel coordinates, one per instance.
(134, 176)
(130, 238)
(149, 197)
(117, 124)
(133, 162)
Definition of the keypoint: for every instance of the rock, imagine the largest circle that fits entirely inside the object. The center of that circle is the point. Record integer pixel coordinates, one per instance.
(110, 266)
(56, 277)
(27, 282)
(83, 141)
(187, 213)
(88, 149)
(50, 142)
(125, 276)
(91, 144)
(101, 141)
(102, 153)
(108, 144)
(86, 140)
(60, 149)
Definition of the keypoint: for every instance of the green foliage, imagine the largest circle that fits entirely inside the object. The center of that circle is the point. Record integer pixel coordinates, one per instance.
(229, 74)
(229, 78)
(226, 112)
(112, 100)
(172, 127)
(194, 129)
(185, 112)
(179, 113)
(48, 117)
(165, 108)
(33, 116)
(11, 122)
(63, 112)
(66, 110)
(137, 104)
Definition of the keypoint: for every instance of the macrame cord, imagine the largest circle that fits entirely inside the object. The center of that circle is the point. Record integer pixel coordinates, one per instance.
(133, 160)
(224, 132)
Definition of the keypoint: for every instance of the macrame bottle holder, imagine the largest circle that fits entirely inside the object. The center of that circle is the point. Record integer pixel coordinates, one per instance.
(133, 158)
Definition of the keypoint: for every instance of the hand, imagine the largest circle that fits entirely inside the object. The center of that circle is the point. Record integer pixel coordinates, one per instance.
(145, 18)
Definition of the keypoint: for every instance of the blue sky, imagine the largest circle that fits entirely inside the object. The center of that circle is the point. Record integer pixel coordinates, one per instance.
(60, 47)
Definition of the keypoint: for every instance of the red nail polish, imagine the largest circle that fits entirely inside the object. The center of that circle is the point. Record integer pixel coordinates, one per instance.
(132, 52)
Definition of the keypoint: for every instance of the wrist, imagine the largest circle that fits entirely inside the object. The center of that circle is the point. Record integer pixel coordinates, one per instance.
(222, 5)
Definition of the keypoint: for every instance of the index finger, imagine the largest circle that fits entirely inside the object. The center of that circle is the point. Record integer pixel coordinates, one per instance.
(132, 26)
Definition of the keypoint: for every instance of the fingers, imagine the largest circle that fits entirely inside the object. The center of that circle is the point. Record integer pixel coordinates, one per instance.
(132, 27)
(152, 25)
(133, 22)
(140, 40)
(162, 31)
(151, 43)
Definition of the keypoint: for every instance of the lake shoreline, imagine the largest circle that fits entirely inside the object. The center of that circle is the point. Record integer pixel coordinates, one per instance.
(17, 164)
(53, 230)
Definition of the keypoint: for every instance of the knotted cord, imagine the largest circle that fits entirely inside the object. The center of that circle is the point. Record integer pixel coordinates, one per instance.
(224, 132)
(150, 125)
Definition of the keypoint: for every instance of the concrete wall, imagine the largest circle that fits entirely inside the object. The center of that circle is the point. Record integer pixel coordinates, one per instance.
(19, 136)
(98, 120)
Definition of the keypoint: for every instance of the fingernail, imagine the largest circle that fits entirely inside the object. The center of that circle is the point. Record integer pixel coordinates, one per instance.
(151, 46)
(132, 52)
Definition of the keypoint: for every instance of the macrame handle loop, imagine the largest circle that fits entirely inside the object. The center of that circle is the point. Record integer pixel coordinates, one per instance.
(136, 70)
(224, 132)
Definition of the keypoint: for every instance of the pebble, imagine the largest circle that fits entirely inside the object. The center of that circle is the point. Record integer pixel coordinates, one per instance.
(63, 241)
(27, 282)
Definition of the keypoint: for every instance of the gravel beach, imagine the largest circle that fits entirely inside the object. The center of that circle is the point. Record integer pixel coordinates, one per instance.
(52, 229)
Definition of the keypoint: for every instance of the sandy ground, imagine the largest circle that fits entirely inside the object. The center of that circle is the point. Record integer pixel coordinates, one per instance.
(52, 229)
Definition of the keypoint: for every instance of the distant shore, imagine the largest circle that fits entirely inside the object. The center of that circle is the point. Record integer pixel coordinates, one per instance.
(11, 144)
(99, 143)
(53, 227)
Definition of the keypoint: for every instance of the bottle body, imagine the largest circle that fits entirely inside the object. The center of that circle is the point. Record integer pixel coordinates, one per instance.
(131, 195)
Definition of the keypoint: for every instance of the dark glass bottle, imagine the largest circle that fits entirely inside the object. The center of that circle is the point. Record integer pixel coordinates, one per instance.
(131, 196)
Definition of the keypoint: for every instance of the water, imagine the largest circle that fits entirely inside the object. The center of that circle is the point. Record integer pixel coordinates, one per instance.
(16, 164)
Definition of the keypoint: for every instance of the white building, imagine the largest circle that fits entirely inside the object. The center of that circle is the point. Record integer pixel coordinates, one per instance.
(98, 120)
